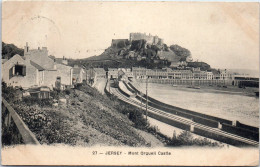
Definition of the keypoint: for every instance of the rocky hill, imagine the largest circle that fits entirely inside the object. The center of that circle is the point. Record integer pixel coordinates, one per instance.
(140, 49)
(137, 53)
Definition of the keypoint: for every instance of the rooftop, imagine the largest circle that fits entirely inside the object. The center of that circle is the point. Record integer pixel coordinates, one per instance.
(99, 69)
(40, 68)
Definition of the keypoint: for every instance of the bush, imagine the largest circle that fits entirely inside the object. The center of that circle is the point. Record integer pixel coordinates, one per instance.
(186, 139)
(134, 114)
(41, 102)
(68, 91)
(9, 50)
(55, 94)
(165, 47)
(8, 92)
(180, 51)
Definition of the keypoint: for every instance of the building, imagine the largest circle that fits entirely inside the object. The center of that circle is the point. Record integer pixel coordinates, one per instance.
(4, 60)
(18, 71)
(93, 74)
(90, 76)
(39, 56)
(127, 72)
(157, 73)
(225, 75)
(152, 40)
(112, 73)
(79, 74)
(35, 69)
(115, 42)
(62, 60)
(203, 75)
(210, 75)
(139, 72)
(100, 73)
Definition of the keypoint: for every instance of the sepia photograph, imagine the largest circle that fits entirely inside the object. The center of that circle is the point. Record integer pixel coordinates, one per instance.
(130, 83)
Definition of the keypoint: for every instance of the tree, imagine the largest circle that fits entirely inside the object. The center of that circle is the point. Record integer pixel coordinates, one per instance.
(203, 66)
(9, 50)
(165, 48)
(180, 51)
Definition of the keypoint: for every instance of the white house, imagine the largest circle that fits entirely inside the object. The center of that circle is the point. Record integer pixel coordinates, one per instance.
(34, 69)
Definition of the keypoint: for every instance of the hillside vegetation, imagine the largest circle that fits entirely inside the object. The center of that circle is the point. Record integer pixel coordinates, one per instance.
(87, 118)
(151, 56)
(9, 50)
(136, 53)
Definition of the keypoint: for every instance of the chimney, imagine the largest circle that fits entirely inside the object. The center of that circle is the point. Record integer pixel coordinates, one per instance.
(26, 48)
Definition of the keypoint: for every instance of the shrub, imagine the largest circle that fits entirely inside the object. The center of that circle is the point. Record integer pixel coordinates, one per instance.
(8, 92)
(186, 139)
(41, 102)
(55, 94)
(134, 114)
(68, 91)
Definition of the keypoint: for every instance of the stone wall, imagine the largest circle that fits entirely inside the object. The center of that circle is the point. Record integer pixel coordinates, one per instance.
(65, 72)
(116, 41)
(149, 38)
(50, 78)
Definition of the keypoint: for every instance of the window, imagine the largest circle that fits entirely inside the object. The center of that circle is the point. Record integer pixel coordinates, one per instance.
(17, 70)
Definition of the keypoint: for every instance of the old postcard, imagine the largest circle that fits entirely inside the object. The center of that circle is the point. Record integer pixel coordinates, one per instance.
(130, 83)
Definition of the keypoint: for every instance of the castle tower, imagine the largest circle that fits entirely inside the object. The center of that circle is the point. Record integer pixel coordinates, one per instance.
(130, 37)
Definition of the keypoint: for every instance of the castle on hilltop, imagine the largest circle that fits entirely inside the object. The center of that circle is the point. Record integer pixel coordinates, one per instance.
(153, 40)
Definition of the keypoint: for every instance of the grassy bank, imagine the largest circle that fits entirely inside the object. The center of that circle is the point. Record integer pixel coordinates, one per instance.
(88, 118)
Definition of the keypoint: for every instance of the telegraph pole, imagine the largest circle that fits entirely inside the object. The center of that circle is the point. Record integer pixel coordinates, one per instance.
(141, 101)
(146, 95)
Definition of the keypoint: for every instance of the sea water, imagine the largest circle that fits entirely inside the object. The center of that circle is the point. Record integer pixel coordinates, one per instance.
(239, 107)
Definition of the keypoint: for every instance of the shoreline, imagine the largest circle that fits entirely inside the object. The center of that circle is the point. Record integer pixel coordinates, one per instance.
(232, 90)
(211, 101)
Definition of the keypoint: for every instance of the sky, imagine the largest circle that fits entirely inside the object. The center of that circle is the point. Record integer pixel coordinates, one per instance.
(225, 35)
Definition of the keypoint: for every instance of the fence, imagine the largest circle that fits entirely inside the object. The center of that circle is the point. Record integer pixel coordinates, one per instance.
(13, 127)
(189, 81)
